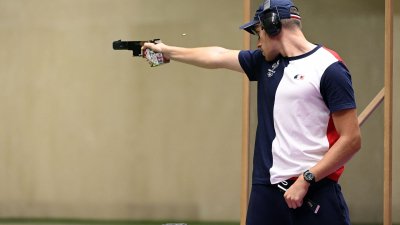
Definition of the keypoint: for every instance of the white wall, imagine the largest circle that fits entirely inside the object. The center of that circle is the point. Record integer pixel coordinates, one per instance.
(88, 132)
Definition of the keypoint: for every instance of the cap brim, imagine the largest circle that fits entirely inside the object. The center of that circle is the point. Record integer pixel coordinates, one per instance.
(248, 26)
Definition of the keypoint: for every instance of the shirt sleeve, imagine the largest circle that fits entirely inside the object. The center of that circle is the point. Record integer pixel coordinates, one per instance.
(248, 61)
(336, 88)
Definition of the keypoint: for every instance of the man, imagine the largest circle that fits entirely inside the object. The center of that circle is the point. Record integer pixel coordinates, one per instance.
(307, 121)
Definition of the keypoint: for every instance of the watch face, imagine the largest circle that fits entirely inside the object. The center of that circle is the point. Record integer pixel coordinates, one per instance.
(308, 176)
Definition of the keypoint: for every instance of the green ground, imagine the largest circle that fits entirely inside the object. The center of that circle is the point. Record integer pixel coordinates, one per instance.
(20, 221)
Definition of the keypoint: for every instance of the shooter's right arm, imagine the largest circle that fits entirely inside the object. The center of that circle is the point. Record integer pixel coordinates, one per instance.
(205, 57)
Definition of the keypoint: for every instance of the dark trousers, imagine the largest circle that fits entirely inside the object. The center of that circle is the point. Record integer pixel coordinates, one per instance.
(268, 207)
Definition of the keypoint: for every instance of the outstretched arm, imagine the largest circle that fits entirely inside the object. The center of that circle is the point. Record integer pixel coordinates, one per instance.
(205, 57)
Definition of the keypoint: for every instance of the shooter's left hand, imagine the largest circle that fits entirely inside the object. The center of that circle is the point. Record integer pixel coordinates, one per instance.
(295, 194)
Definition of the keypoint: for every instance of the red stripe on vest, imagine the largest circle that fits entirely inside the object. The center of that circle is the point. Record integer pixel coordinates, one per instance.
(333, 136)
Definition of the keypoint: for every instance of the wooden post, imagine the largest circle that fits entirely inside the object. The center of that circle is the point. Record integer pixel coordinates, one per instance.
(388, 109)
(371, 107)
(244, 197)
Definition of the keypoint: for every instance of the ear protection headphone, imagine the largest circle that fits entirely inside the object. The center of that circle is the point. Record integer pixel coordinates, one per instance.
(271, 23)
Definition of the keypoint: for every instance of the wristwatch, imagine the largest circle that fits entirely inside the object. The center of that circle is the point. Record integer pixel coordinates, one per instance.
(309, 177)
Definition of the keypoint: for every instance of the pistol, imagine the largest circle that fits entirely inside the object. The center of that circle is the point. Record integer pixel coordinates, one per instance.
(155, 59)
(134, 46)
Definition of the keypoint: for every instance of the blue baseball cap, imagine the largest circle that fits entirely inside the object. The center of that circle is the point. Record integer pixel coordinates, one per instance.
(250, 25)
(281, 7)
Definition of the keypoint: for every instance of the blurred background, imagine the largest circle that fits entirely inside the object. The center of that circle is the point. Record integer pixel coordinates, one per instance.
(92, 134)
